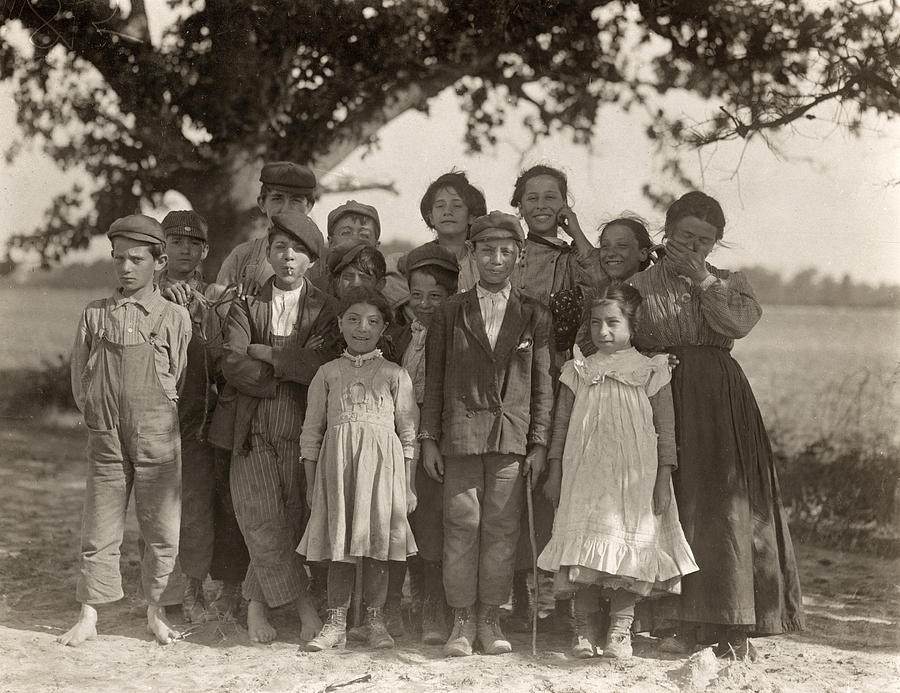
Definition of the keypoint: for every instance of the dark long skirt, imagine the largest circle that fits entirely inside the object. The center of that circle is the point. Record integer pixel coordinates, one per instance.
(729, 502)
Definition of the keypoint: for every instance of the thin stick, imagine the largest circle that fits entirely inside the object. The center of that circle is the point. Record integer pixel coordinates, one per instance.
(358, 593)
(534, 569)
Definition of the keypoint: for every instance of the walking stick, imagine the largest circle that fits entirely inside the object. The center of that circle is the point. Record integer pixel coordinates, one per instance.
(358, 593)
(534, 570)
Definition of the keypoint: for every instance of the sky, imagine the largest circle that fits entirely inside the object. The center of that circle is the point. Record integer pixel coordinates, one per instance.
(825, 199)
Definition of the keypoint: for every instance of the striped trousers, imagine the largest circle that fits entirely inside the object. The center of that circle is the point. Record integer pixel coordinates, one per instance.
(268, 489)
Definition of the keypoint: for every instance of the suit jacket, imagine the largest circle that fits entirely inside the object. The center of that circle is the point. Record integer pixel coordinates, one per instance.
(248, 379)
(480, 400)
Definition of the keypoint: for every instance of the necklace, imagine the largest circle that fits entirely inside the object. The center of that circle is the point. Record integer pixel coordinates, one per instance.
(359, 360)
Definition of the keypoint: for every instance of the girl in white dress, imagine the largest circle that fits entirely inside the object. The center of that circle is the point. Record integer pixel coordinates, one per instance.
(616, 534)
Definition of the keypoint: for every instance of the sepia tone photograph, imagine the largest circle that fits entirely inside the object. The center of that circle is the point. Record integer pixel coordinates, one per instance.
(438, 345)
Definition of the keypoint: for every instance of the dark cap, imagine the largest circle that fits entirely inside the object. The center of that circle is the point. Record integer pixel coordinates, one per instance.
(299, 227)
(138, 227)
(288, 176)
(429, 254)
(181, 222)
(344, 254)
(353, 207)
(496, 225)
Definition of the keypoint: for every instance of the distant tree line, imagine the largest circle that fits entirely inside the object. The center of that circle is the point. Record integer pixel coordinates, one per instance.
(806, 288)
(809, 288)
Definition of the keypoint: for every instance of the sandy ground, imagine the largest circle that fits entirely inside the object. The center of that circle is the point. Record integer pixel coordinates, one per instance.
(851, 644)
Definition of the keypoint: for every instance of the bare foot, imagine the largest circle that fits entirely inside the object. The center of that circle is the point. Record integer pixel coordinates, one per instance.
(157, 624)
(258, 627)
(310, 623)
(84, 629)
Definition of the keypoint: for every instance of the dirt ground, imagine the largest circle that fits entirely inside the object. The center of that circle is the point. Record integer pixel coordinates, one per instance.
(851, 643)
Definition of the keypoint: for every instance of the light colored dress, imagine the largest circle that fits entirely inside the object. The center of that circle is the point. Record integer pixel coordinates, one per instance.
(605, 531)
(360, 424)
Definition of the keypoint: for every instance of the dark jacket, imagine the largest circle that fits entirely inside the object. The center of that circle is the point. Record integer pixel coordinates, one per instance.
(249, 380)
(479, 400)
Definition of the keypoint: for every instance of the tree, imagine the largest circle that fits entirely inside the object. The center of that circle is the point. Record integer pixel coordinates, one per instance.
(231, 84)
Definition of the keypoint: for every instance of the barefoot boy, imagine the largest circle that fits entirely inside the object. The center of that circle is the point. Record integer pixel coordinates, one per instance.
(485, 424)
(269, 364)
(128, 360)
(211, 541)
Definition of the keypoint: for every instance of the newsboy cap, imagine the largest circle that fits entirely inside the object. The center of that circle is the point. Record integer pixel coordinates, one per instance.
(180, 222)
(344, 254)
(353, 207)
(299, 227)
(428, 254)
(289, 177)
(496, 225)
(138, 227)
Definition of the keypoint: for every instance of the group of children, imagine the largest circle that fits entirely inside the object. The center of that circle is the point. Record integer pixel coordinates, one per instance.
(324, 417)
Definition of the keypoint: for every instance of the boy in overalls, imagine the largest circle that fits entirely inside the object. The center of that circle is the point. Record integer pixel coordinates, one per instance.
(127, 363)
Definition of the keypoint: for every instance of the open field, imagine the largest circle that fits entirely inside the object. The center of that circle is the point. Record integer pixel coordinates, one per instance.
(816, 372)
(852, 641)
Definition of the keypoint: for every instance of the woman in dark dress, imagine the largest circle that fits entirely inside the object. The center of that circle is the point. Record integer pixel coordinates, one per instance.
(726, 488)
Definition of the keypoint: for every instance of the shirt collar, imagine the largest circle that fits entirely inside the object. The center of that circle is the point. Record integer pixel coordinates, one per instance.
(293, 292)
(147, 303)
(484, 293)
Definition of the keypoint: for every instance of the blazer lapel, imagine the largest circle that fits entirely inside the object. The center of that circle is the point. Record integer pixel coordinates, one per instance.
(260, 308)
(313, 302)
(511, 327)
(474, 321)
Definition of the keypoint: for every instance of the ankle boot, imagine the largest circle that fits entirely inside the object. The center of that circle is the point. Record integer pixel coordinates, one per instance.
(434, 623)
(583, 637)
(378, 635)
(621, 616)
(192, 602)
(734, 644)
(393, 617)
(489, 634)
(461, 639)
(333, 633)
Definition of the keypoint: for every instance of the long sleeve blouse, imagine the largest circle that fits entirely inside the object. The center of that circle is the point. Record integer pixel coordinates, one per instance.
(677, 312)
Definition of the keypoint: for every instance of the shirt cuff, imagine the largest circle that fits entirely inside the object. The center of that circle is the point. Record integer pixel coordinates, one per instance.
(708, 282)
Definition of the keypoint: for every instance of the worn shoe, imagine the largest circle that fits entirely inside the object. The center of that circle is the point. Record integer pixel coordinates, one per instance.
(618, 645)
(333, 633)
(583, 636)
(378, 635)
(434, 623)
(192, 602)
(737, 647)
(462, 637)
(393, 618)
(492, 640)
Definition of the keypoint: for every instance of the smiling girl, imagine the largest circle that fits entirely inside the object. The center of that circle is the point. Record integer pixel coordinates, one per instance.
(357, 448)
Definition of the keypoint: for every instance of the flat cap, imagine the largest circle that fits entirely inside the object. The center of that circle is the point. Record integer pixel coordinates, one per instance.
(181, 222)
(353, 207)
(138, 227)
(428, 254)
(342, 255)
(288, 176)
(496, 225)
(299, 227)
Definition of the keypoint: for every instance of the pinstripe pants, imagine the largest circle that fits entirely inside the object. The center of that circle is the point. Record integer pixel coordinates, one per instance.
(268, 489)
